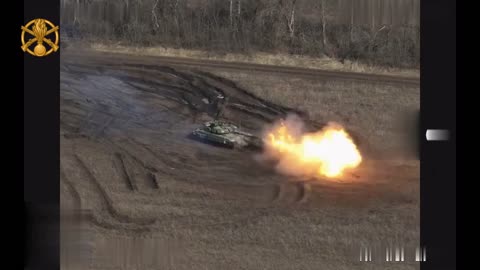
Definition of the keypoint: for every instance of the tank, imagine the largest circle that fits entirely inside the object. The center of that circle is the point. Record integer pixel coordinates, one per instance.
(226, 134)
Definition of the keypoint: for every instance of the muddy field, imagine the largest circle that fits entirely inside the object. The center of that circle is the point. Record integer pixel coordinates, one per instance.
(153, 198)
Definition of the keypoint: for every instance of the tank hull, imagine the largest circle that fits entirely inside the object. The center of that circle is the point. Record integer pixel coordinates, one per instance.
(214, 138)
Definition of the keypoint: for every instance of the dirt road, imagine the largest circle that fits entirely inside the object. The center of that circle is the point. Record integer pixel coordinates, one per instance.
(298, 72)
(126, 157)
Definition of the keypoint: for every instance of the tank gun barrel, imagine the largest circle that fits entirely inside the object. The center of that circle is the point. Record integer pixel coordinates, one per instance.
(243, 133)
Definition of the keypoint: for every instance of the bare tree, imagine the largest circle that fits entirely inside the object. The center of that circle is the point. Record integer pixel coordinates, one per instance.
(154, 15)
(351, 21)
(175, 14)
(324, 25)
(291, 22)
(76, 12)
(267, 25)
(373, 6)
(231, 13)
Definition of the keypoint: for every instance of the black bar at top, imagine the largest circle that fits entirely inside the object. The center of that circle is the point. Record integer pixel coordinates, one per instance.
(41, 145)
(438, 111)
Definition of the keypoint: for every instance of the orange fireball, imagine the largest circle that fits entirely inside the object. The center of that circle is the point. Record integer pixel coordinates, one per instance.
(327, 152)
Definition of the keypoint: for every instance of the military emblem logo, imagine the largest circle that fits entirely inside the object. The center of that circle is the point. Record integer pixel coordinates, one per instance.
(39, 30)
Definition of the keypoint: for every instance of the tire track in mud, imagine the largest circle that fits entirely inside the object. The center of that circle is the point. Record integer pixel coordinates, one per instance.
(80, 215)
(248, 111)
(104, 126)
(88, 216)
(71, 188)
(294, 192)
(304, 192)
(194, 86)
(277, 192)
(165, 160)
(194, 82)
(152, 181)
(144, 164)
(149, 172)
(272, 107)
(109, 204)
(301, 192)
(192, 94)
(121, 168)
(193, 98)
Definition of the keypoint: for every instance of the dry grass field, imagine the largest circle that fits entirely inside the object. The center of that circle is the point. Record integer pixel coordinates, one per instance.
(325, 63)
(378, 113)
(152, 198)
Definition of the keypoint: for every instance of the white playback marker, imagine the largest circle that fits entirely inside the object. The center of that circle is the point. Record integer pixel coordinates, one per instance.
(389, 254)
(437, 135)
(420, 254)
(365, 254)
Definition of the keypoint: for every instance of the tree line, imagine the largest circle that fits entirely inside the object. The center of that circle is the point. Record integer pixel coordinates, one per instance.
(378, 32)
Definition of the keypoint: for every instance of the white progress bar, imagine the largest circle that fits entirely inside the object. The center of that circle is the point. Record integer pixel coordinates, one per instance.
(437, 135)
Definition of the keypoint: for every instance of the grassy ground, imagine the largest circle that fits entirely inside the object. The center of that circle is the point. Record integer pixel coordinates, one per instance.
(324, 63)
(375, 112)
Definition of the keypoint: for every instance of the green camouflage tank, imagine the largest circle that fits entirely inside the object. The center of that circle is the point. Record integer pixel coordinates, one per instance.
(226, 134)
